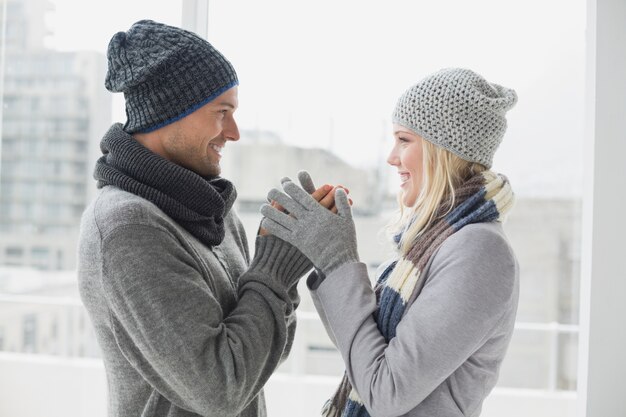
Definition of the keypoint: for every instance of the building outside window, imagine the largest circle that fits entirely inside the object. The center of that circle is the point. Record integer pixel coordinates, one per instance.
(29, 333)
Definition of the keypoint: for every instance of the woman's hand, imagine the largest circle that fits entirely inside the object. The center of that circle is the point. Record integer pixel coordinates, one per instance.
(326, 238)
(325, 195)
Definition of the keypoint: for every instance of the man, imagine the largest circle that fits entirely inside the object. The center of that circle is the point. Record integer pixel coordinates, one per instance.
(187, 324)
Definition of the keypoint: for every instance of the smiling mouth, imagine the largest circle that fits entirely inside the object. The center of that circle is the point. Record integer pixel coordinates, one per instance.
(216, 148)
(404, 178)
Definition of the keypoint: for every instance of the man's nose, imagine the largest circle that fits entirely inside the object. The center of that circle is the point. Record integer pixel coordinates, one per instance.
(231, 130)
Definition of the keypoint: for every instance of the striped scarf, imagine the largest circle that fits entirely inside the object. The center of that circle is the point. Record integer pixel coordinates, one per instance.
(486, 197)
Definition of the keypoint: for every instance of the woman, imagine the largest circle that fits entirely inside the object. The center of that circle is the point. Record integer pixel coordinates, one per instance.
(429, 339)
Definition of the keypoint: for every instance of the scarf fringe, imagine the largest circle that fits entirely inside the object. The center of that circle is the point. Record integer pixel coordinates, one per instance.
(329, 410)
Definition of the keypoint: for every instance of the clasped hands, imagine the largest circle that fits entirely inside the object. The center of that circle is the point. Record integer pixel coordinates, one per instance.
(319, 223)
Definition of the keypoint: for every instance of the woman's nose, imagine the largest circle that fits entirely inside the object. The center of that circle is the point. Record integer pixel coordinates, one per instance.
(393, 158)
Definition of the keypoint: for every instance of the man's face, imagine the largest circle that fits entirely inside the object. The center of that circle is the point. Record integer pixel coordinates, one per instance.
(196, 141)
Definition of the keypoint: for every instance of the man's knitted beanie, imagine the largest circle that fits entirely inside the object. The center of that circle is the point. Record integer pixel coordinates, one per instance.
(458, 110)
(165, 73)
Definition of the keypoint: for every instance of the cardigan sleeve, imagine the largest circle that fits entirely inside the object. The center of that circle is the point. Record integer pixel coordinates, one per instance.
(469, 287)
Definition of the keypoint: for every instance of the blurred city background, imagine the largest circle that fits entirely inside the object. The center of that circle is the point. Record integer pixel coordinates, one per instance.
(316, 93)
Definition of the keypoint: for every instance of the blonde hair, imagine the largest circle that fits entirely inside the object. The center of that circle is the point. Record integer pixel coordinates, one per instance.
(442, 173)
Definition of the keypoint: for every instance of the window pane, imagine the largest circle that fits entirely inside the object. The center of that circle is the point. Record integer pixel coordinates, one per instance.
(55, 111)
(318, 83)
(322, 101)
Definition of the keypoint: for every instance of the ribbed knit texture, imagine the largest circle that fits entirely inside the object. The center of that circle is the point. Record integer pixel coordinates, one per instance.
(486, 197)
(276, 258)
(198, 204)
(165, 74)
(458, 110)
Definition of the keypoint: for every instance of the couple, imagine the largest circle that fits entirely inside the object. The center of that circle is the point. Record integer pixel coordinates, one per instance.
(190, 324)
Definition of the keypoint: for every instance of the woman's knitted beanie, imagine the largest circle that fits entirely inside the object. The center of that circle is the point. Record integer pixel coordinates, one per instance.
(165, 73)
(458, 110)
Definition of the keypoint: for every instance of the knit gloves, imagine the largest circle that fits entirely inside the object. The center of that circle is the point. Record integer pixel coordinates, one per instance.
(278, 258)
(327, 239)
(305, 181)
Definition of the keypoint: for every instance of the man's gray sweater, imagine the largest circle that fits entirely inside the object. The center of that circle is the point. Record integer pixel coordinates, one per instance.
(184, 329)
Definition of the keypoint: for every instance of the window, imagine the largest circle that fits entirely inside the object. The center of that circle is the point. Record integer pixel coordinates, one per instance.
(14, 252)
(316, 92)
(40, 254)
(29, 332)
(345, 90)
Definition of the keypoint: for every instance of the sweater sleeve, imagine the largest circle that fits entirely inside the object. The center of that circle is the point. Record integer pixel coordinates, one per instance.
(469, 289)
(173, 331)
(303, 265)
(268, 256)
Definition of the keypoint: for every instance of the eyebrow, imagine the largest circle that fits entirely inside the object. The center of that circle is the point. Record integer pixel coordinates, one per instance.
(226, 104)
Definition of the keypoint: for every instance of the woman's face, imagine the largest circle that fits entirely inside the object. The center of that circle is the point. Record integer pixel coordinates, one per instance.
(406, 156)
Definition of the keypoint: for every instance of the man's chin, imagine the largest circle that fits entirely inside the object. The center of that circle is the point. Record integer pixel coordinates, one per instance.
(214, 171)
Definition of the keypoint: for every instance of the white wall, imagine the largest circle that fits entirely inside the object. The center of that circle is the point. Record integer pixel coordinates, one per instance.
(602, 332)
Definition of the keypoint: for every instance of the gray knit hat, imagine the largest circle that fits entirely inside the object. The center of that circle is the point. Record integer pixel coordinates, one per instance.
(458, 110)
(165, 73)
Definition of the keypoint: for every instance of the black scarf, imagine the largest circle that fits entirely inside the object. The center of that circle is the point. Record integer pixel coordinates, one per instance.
(196, 203)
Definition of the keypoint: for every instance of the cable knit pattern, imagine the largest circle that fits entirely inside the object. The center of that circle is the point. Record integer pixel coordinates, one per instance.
(458, 110)
(165, 74)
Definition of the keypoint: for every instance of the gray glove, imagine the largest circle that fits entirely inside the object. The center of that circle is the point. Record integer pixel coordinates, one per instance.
(305, 181)
(327, 239)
